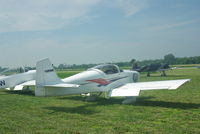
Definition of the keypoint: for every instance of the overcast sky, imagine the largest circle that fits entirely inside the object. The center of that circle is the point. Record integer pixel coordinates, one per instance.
(97, 31)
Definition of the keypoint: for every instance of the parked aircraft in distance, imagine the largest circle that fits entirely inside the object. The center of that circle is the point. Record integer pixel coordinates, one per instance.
(154, 67)
(103, 78)
(18, 81)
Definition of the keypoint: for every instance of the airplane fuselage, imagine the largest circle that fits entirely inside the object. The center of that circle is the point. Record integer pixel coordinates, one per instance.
(95, 80)
(16, 79)
(102, 78)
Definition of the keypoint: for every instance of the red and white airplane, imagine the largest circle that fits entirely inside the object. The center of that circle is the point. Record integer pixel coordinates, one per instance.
(103, 78)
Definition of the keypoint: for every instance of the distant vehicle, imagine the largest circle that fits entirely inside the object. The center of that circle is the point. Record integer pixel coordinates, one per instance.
(107, 78)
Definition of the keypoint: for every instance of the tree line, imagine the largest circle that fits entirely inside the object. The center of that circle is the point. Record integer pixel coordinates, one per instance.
(167, 59)
(172, 60)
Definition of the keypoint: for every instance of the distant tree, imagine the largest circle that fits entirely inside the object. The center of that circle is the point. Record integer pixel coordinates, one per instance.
(169, 58)
(135, 66)
(20, 69)
(140, 65)
(3, 70)
(61, 66)
(133, 63)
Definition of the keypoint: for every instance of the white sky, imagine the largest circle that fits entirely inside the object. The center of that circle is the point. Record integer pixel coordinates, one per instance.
(96, 31)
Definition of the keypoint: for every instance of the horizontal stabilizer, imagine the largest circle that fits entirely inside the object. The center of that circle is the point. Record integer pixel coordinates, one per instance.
(62, 85)
(18, 87)
(28, 83)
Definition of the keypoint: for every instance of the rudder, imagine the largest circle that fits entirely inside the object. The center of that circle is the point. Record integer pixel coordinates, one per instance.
(45, 75)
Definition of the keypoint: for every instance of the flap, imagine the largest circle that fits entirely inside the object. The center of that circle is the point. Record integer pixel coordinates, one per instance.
(124, 91)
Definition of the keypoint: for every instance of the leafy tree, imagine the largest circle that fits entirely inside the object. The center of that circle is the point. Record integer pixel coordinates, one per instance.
(61, 66)
(169, 58)
(133, 64)
(132, 61)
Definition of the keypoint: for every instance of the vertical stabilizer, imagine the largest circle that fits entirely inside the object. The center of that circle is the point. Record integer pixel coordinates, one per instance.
(45, 75)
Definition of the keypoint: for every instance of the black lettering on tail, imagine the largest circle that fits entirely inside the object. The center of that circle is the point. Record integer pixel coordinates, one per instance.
(2, 83)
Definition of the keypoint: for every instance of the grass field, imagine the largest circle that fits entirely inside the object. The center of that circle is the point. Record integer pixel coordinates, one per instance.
(187, 65)
(161, 111)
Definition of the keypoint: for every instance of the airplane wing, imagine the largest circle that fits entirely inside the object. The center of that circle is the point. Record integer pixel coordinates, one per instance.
(27, 83)
(133, 89)
(61, 85)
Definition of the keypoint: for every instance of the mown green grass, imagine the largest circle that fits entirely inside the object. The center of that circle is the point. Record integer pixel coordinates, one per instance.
(186, 65)
(160, 111)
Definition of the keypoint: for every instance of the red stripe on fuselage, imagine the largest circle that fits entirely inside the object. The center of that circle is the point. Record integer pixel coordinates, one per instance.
(100, 81)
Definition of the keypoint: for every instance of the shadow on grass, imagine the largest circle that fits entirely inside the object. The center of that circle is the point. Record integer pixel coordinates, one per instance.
(176, 105)
(89, 109)
(85, 109)
(76, 110)
(22, 92)
(77, 98)
(3, 93)
(141, 101)
(98, 101)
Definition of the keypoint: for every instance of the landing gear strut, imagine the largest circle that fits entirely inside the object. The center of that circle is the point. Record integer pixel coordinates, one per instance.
(92, 97)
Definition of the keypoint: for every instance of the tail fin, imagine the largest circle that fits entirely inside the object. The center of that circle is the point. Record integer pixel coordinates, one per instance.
(45, 75)
(47, 79)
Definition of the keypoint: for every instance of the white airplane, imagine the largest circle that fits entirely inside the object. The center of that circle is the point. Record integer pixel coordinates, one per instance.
(18, 81)
(103, 78)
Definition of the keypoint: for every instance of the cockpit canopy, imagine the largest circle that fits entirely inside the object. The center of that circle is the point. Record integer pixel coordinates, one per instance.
(108, 68)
